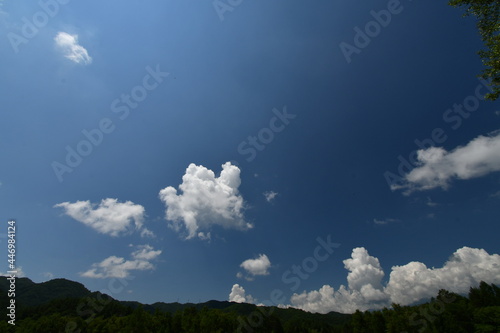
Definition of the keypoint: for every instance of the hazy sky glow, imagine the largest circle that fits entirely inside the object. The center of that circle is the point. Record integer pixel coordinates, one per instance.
(330, 156)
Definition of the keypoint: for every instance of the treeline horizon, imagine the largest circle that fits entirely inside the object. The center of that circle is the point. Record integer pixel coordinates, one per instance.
(479, 312)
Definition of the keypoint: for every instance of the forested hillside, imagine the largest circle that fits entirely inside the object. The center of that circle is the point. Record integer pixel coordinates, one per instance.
(95, 312)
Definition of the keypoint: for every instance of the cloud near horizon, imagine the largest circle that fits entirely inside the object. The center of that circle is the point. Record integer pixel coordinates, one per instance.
(205, 201)
(20, 273)
(117, 267)
(438, 167)
(239, 295)
(407, 284)
(108, 217)
(68, 45)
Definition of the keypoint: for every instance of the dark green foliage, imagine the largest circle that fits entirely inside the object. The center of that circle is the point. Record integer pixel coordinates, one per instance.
(29, 293)
(488, 24)
(447, 313)
(95, 312)
(485, 295)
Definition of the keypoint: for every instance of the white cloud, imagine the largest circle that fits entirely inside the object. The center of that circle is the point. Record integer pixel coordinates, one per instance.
(48, 275)
(145, 252)
(18, 269)
(364, 269)
(407, 284)
(117, 267)
(365, 288)
(439, 167)
(147, 233)
(205, 200)
(465, 268)
(68, 45)
(109, 217)
(270, 195)
(239, 295)
(257, 266)
(205, 235)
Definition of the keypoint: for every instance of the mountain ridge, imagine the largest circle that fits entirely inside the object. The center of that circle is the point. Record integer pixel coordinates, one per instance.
(32, 294)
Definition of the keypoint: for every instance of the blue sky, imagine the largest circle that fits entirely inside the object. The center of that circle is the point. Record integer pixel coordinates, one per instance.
(151, 96)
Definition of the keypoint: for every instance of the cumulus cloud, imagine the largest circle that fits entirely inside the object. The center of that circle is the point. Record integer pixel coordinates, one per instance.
(407, 284)
(365, 288)
(205, 201)
(363, 270)
(438, 167)
(465, 268)
(239, 295)
(109, 217)
(117, 267)
(257, 266)
(270, 195)
(68, 45)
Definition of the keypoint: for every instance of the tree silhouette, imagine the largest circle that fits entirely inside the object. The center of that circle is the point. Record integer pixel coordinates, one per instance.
(488, 24)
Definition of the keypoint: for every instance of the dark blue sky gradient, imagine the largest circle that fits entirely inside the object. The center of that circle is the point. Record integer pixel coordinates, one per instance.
(352, 122)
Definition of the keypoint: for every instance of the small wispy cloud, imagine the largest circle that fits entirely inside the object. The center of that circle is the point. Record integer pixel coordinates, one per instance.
(270, 195)
(2, 12)
(495, 195)
(68, 45)
(384, 221)
(118, 267)
(431, 203)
